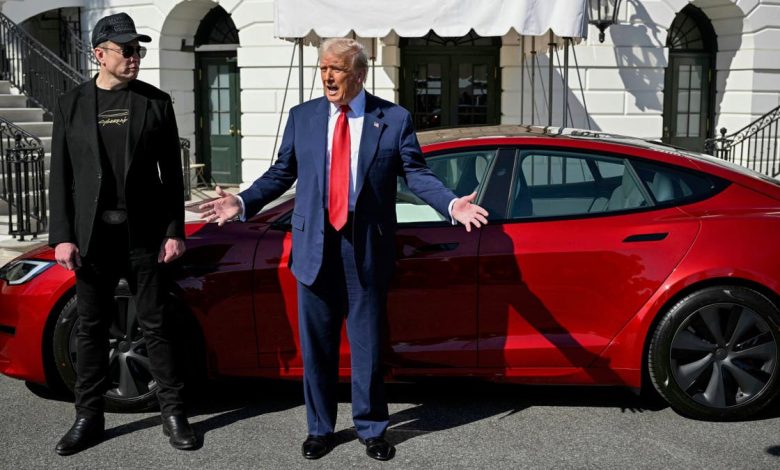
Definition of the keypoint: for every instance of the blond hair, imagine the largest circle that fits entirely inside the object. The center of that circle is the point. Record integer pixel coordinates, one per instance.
(345, 47)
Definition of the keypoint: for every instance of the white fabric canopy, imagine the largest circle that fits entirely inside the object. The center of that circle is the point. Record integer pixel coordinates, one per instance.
(415, 18)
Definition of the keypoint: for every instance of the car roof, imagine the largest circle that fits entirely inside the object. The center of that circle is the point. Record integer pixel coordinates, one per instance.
(474, 135)
(437, 136)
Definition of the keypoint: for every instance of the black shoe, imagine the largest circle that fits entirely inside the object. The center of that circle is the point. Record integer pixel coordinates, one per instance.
(178, 429)
(315, 447)
(378, 448)
(84, 433)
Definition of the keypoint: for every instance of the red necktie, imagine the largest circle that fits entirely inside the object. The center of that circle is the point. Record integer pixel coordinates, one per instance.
(338, 196)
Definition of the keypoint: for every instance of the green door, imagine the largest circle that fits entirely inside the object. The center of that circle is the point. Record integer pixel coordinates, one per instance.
(687, 100)
(220, 123)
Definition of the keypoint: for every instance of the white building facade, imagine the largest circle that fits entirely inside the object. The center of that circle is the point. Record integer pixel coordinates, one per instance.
(671, 69)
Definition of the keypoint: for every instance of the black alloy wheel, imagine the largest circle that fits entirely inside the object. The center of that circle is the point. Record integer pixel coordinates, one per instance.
(132, 387)
(714, 355)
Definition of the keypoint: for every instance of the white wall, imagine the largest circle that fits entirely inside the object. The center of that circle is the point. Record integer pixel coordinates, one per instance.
(622, 78)
(20, 10)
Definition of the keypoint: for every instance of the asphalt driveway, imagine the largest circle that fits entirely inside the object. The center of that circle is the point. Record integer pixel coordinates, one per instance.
(451, 424)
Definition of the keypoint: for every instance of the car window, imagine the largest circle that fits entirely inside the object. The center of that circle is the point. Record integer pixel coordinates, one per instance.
(552, 184)
(462, 172)
(668, 184)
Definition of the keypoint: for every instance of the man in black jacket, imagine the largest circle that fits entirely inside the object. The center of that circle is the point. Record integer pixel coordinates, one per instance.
(116, 195)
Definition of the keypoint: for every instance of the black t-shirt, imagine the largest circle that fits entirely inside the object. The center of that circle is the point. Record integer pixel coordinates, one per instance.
(113, 118)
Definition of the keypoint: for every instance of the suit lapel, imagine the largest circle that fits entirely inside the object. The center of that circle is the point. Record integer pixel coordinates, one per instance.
(138, 103)
(373, 125)
(88, 115)
(318, 128)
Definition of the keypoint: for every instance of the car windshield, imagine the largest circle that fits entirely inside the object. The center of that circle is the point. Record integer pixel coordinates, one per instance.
(743, 170)
(738, 168)
(667, 148)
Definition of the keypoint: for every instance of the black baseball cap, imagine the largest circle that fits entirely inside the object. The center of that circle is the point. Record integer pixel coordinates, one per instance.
(119, 28)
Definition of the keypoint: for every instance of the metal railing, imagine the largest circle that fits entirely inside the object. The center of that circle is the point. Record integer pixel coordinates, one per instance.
(32, 68)
(22, 180)
(184, 144)
(754, 146)
(79, 53)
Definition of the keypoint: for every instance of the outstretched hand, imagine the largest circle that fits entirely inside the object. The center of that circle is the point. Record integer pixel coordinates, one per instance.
(469, 214)
(222, 209)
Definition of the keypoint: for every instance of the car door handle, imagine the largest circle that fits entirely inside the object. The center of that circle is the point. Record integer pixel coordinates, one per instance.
(436, 247)
(646, 237)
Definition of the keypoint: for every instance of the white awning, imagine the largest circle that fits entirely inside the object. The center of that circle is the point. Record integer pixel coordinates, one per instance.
(415, 18)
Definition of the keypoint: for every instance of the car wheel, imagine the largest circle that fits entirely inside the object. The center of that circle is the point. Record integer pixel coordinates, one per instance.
(714, 354)
(132, 387)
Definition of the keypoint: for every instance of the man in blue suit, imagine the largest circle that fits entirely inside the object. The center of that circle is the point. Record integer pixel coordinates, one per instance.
(346, 151)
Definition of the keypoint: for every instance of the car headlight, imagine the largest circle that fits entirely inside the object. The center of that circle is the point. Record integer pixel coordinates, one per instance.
(20, 271)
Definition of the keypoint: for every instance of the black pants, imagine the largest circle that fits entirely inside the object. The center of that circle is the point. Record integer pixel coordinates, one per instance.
(109, 259)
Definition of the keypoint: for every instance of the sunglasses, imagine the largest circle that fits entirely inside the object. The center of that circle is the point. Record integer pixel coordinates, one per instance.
(129, 51)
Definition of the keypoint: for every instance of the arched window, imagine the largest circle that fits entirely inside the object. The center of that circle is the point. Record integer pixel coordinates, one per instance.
(691, 31)
(689, 90)
(216, 28)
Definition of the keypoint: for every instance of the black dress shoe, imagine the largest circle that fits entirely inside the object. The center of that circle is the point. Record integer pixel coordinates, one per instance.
(315, 447)
(85, 432)
(378, 448)
(178, 429)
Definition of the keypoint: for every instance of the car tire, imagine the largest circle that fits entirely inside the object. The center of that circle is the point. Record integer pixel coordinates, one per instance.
(714, 354)
(131, 386)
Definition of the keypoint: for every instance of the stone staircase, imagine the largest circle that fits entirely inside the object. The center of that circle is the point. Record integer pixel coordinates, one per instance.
(13, 107)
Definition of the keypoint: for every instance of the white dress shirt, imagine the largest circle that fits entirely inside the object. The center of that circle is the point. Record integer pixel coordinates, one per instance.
(357, 110)
(355, 117)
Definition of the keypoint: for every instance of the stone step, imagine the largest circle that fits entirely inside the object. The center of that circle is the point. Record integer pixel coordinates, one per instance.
(5, 87)
(13, 101)
(4, 209)
(4, 204)
(38, 129)
(22, 114)
(46, 141)
(4, 227)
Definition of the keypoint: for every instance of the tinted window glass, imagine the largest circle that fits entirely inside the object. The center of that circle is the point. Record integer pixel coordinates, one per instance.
(554, 184)
(669, 184)
(540, 170)
(463, 173)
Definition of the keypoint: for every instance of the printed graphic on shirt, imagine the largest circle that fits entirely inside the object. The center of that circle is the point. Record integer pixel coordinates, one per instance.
(113, 117)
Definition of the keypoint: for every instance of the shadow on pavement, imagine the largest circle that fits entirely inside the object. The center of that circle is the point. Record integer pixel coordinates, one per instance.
(436, 405)
(233, 400)
(453, 403)
(42, 391)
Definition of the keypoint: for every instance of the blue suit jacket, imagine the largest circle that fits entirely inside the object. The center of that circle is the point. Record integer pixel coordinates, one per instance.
(388, 148)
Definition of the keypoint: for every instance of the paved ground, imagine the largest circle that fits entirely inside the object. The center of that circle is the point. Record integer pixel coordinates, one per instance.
(461, 424)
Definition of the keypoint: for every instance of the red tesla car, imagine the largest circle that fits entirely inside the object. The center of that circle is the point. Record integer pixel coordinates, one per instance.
(607, 261)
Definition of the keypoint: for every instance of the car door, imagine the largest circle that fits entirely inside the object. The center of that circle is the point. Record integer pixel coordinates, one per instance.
(432, 302)
(585, 241)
